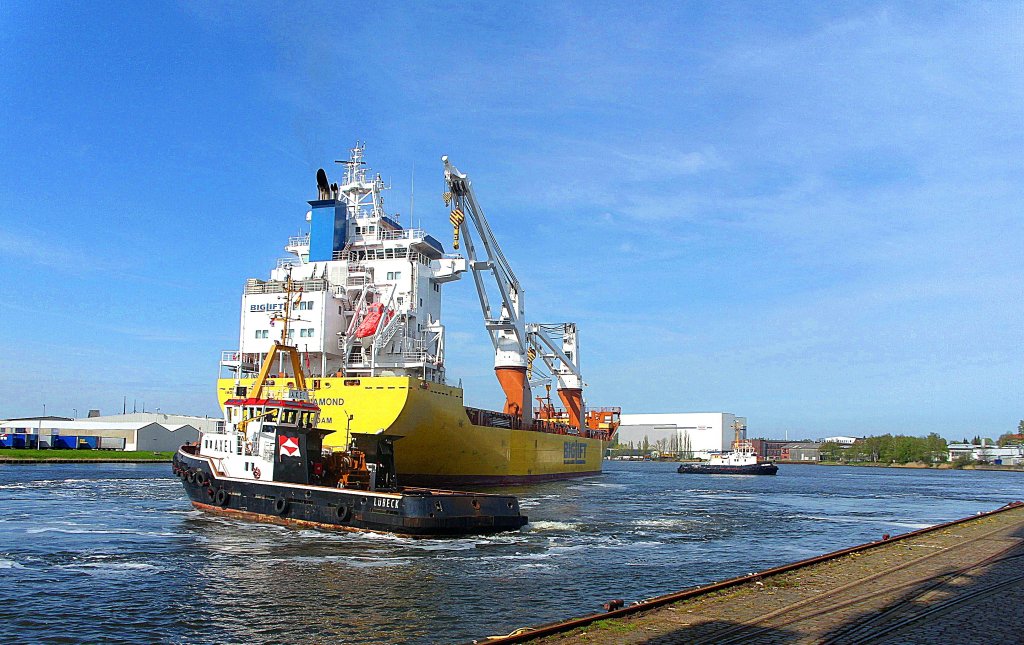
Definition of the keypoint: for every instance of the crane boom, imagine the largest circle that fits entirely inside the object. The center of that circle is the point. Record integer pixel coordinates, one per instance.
(507, 329)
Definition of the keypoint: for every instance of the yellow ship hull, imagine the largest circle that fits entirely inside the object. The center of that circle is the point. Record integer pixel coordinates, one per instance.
(438, 444)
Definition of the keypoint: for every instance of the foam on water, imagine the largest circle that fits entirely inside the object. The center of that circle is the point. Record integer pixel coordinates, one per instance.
(106, 568)
(542, 525)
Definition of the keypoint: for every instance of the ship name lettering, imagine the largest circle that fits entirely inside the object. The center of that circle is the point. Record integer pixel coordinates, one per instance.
(273, 306)
(337, 401)
(574, 452)
(382, 502)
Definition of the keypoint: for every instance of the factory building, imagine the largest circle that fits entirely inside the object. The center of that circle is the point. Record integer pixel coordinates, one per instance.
(689, 434)
(137, 431)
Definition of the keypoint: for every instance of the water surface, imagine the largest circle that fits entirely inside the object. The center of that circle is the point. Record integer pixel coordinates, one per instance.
(115, 553)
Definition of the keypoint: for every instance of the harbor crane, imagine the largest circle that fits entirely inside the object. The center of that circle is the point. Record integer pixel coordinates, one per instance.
(516, 343)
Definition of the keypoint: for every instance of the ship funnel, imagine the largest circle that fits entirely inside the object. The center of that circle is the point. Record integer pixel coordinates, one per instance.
(323, 186)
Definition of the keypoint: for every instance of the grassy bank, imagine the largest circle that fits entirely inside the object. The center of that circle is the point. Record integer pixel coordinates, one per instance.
(913, 464)
(17, 455)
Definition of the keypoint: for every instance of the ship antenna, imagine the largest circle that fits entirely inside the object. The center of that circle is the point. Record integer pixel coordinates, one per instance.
(283, 346)
(287, 307)
(412, 197)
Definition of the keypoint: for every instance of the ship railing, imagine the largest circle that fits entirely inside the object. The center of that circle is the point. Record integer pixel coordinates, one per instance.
(285, 263)
(340, 292)
(254, 286)
(389, 253)
(405, 234)
(492, 419)
(301, 240)
(234, 357)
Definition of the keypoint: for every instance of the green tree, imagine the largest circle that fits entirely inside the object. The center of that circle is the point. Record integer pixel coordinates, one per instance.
(963, 460)
(830, 451)
(936, 447)
(899, 449)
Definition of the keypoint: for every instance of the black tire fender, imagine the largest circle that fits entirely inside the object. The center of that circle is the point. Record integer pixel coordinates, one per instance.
(222, 497)
(280, 506)
(344, 512)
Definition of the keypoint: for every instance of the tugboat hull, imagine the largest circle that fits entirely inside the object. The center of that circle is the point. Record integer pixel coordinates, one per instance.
(407, 511)
(721, 469)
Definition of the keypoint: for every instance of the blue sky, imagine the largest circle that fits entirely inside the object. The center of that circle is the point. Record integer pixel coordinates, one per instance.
(807, 214)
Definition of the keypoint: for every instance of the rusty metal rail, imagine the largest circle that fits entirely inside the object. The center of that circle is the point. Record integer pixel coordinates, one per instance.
(530, 633)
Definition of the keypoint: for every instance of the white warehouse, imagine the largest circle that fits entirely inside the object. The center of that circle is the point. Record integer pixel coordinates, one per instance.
(699, 433)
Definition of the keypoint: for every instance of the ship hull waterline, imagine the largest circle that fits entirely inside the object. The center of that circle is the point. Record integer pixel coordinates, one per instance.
(716, 469)
(436, 443)
(413, 512)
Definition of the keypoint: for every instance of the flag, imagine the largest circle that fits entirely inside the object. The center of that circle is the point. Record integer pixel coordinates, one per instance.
(288, 446)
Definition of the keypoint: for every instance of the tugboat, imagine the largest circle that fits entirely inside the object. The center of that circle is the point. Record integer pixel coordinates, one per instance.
(741, 461)
(268, 463)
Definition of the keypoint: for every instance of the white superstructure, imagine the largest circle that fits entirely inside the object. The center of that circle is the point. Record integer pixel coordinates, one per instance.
(370, 290)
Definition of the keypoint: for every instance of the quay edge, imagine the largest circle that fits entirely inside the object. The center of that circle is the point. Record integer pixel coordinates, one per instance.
(562, 628)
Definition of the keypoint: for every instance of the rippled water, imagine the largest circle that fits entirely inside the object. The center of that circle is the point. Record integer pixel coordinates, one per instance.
(115, 553)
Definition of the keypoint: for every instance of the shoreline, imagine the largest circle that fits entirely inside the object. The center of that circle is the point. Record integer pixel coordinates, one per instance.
(913, 465)
(18, 456)
(809, 600)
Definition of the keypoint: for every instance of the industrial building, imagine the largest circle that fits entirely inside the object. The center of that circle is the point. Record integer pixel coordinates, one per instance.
(136, 431)
(1012, 455)
(690, 434)
(770, 449)
(801, 451)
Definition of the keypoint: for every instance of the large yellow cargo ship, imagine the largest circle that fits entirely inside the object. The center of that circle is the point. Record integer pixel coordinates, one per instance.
(367, 321)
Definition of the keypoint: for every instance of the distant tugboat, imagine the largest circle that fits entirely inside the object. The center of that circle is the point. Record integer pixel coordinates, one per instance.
(268, 464)
(741, 461)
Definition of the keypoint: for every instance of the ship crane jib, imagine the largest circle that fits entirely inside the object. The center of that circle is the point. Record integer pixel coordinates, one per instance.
(515, 342)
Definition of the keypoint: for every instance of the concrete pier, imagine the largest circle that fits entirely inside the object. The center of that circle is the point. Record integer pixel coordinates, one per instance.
(961, 582)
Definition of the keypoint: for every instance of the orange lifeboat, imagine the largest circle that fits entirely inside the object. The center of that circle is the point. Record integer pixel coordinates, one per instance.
(375, 313)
